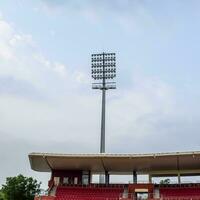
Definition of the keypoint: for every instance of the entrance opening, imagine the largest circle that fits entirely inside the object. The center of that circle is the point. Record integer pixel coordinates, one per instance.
(56, 181)
(141, 195)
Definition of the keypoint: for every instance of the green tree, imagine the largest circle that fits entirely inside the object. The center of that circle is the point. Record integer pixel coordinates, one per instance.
(20, 188)
(2, 196)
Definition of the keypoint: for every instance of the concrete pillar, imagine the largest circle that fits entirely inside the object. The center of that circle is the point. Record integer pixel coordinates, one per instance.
(107, 177)
(150, 178)
(179, 178)
(90, 177)
(134, 177)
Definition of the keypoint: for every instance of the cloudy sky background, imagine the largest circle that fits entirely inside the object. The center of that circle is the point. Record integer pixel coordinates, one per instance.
(46, 100)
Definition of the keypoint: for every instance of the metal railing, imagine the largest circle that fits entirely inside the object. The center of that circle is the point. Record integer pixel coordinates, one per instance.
(94, 185)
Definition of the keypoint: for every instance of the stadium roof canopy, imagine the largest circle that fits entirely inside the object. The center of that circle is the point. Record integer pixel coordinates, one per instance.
(187, 163)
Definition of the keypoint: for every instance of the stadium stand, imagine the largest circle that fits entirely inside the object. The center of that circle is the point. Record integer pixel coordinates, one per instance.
(71, 175)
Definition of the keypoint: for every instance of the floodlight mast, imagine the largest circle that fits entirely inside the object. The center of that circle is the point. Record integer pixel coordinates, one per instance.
(103, 69)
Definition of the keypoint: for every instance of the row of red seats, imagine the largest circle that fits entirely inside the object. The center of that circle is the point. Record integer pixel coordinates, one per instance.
(89, 194)
(181, 198)
(88, 197)
(88, 188)
(165, 192)
(74, 193)
(99, 194)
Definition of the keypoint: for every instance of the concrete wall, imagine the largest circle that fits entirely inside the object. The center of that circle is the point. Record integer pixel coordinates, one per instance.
(67, 173)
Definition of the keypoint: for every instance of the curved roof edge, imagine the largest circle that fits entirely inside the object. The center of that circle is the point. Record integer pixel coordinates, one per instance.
(150, 162)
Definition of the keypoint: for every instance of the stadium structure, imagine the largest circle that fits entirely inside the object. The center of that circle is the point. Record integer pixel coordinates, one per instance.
(72, 174)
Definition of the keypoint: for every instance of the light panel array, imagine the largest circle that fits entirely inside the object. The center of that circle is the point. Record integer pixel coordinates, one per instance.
(103, 70)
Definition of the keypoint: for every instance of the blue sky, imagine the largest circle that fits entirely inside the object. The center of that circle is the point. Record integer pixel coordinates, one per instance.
(45, 86)
(156, 35)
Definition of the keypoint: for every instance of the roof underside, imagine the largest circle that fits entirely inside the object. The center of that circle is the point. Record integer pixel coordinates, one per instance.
(157, 163)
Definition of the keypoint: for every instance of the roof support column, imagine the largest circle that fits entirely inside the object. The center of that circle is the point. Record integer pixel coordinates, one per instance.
(134, 177)
(90, 177)
(150, 178)
(179, 178)
(178, 168)
(107, 178)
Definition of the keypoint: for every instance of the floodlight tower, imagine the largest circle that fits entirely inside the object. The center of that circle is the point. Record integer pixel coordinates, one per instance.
(104, 74)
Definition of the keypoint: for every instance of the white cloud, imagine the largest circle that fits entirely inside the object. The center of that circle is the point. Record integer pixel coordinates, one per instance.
(5, 35)
(81, 77)
(21, 59)
(137, 110)
(60, 69)
(56, 67)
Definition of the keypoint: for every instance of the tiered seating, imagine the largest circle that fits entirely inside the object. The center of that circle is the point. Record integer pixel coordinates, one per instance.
(87, 193)
(180, 193)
